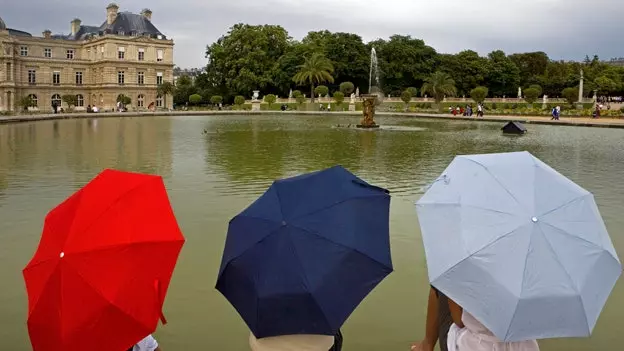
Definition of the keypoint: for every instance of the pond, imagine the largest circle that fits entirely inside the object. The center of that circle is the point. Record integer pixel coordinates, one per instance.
(215, 166)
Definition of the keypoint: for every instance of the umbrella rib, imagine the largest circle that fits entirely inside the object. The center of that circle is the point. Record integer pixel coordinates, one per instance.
(576, 288)
(307, 282)
(464, 205)
(573, 236)
(566, 204)
(526, 259)
(496, 179)
(333, 242)
(113, 204)
(338, 203)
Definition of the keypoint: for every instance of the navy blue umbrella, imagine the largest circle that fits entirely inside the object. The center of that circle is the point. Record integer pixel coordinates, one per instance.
(304, 255)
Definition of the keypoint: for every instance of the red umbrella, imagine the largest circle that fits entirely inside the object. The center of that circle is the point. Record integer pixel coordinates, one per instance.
(101, 272)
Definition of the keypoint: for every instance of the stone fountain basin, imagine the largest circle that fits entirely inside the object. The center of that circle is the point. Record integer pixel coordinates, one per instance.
(381, 127)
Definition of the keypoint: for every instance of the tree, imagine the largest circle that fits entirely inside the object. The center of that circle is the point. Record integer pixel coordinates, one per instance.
(195, 99)
(26, 102)
(164, 89)
(413, 91)
(321, 90)
(124, 100)
(300, 99)
(339, 97)
(570, 94)
(270, 99)
(531, 65)
(406, 97)
(184, 88)
(467, 68)
(605, 85)
(316, 69)
(347, 88)
(531, 95)
(503, 75)
(538, 88)
(297, 93)
(479, 94)
(439, 85)
(71, 100)
(245, 58)
(216, 99)
(239, 101)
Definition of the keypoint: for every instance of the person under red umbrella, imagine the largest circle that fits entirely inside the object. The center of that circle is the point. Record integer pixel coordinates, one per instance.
(99, 277)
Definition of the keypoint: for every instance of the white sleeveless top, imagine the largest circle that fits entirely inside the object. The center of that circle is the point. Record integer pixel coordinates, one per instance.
(476, 337)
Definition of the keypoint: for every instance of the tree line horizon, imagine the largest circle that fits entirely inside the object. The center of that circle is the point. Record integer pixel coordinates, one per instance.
(267, 58)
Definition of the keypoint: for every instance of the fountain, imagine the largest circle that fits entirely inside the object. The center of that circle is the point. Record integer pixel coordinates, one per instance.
(374, 96)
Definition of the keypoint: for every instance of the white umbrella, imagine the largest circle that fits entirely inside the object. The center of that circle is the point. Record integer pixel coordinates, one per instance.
(519, 246)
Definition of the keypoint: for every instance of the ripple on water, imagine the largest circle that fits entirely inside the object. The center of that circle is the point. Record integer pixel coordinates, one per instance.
(213, 175)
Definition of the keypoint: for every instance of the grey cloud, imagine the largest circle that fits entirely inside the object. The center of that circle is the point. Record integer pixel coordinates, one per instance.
(565, 29)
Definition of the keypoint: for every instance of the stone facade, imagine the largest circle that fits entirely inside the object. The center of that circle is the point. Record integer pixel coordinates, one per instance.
(96, 64)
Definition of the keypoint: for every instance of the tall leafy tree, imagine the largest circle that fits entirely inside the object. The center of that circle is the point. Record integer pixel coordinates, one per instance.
(165, 89)
(531, 66)
(315, 69)
(503, 75)
(439, 85)
(467, 69)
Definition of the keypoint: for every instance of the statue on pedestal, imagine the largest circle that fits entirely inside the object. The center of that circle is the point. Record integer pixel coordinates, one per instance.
(352, 98)
(357, 92)
(519, 93)
(256, 94)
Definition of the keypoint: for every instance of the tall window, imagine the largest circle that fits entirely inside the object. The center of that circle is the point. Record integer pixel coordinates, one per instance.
(56, 78)
(159, 101)
(141, 55)
(160, 55)
(121, 77)
(9, 70)
(140, 100)
(78, 78)
(33, 99)
(121, 53)
(79, 100)
(70, 54)
(159, 78)
(56, 100)
(47, 52)
(32, 76)
(24, 51)
(140, 78)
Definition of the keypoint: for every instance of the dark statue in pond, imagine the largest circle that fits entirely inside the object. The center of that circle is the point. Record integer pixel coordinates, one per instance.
(369, 112)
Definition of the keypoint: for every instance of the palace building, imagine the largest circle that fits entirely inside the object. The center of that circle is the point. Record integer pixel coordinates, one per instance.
(125, 55)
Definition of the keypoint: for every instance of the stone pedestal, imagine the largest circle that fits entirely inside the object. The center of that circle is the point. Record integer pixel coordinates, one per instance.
(352, 107)
(369, 112)
(255, 105)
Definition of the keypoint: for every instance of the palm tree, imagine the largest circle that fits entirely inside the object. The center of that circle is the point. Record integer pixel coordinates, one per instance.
(439, 85)
(164, 89)
(315, 70)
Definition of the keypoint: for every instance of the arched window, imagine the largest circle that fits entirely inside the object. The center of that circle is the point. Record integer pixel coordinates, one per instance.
(159, 101)
(140, 100)
(33, 99)
(101, 99)
(56, 100)
(79, 100)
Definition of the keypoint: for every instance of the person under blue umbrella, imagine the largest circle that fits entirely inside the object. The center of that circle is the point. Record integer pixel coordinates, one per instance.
(302, 257)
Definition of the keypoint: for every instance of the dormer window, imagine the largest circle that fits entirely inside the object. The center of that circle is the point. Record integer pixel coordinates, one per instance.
(159, 36)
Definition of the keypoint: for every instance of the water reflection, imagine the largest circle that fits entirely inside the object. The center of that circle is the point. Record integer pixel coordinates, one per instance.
(214, 167)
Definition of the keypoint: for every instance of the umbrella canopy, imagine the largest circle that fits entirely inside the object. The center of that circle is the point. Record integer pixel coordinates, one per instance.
(519, 246)
(100, 275)
(303, 256)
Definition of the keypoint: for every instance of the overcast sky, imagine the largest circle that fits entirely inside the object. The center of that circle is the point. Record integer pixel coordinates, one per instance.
(565, 29)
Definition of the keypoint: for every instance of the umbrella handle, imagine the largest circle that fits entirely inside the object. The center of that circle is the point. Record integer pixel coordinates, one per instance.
(159, 301)
(366, 185)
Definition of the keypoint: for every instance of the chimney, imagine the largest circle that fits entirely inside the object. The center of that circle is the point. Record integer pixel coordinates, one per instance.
(75, 26)
(147, 13)
(47, 34)
(111, 13)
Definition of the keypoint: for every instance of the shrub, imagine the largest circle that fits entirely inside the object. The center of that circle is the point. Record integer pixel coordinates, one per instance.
(531, 95)
(239, 100)
(570, 94)
(622, 109)
(412, 91)
(216, 99)
(514, 106)
(125, 100)
(300, 99)
(195, 99)
(479, 94)
(406, 96)
(339, 97)
(494, 106)
(71, 100)
(346, 88)
(538, 88)
(270, 99)
(297, 93)
(321, 90)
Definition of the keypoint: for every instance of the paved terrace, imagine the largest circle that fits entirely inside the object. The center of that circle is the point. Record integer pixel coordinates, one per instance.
(569, 121)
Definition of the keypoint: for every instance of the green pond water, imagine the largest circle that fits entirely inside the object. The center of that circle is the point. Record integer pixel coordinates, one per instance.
(215, 166)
